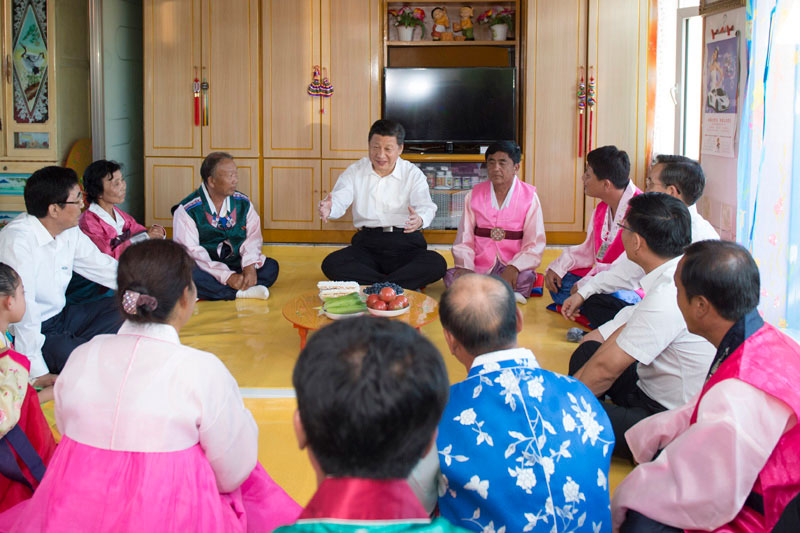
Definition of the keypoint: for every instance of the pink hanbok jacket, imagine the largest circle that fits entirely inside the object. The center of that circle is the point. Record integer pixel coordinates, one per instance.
(729, 460)
(586, 259)
(523, 213)
(103, 235)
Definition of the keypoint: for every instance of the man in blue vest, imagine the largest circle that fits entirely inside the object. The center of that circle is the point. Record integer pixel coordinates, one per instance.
(221, 230)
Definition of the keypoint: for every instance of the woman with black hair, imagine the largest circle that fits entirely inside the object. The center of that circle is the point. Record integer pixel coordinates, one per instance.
(155, 434)
(109, 227)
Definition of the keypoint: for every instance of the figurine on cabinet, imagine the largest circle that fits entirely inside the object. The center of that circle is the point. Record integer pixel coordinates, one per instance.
(441, 25)
(465, 25)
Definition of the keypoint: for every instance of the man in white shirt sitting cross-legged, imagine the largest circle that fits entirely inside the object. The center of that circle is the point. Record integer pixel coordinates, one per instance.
(391, 204)
(649, 361)
(45, 246)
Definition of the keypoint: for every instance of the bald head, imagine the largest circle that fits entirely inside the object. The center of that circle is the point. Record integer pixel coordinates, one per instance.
(480, 313)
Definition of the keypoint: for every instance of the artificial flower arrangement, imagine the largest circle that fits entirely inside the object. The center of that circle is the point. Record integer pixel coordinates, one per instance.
(493, 17)
(405, 16)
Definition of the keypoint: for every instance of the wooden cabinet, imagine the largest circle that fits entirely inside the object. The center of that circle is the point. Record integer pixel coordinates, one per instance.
(171, 61)
(168, 180)
(293, 189)
(249, 180)
(215, 41)
(291, 193)
(610, 39)
(343, 38)
(330, 173)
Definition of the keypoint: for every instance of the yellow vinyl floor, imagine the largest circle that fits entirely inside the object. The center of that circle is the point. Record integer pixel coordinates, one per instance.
(259, 346)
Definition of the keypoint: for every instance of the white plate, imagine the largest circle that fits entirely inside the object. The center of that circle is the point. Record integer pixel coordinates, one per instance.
(396, 312)
(334, 316)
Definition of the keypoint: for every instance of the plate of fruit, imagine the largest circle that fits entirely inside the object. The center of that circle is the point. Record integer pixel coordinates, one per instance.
(386, 299)
(346, 306)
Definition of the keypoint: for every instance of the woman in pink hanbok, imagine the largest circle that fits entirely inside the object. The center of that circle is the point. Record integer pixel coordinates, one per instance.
(155, 434)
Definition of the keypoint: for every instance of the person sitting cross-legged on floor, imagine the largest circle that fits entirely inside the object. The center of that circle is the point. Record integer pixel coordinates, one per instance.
(675, 175)
(370, 392)
(110, 228)
(647, 361)
(607, 179)
(502, 229)
(155, 436)
(44, 246)
(221, 230)
(391, 206)
(728, 459)
(520, 448)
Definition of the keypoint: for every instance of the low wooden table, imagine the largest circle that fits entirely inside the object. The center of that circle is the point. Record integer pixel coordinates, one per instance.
(301, 313)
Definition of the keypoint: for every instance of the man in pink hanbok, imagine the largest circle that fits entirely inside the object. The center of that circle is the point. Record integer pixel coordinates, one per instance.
(729, 460)
(606, 179)
(502, 229)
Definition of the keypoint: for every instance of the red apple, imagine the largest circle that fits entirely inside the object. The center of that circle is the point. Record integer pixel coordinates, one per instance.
(387, 294)
(399, 302)
(371, 299)
(380, 305)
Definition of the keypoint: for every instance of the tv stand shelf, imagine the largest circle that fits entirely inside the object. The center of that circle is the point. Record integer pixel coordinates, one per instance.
(452, 43)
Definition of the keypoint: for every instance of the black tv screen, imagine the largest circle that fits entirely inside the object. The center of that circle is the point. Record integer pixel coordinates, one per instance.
(463, 105)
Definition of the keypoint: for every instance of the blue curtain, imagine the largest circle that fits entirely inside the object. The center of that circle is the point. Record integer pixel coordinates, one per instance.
(768, 221)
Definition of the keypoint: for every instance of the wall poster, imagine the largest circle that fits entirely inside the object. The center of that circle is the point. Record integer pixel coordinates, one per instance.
(720, 91)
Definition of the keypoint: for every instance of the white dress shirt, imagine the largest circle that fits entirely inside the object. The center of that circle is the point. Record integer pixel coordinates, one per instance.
(184, 231)
(624, 274)
(673, 363)
(382, 201)
(142, 391)
(45, 266)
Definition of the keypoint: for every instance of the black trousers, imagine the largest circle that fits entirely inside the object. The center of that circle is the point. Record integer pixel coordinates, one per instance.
(76, 324)
(600, 308)
(629, 404)
(374, 256)
(208, 288)
(636, 522)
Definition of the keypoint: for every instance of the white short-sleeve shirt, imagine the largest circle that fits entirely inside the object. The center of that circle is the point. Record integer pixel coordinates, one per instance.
(673, 363)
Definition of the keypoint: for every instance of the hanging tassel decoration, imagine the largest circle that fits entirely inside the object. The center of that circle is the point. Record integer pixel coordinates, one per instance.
(315, 87)
(326, 89)
(581, 109)
(196, 93)
(204, 89)
(591, 101)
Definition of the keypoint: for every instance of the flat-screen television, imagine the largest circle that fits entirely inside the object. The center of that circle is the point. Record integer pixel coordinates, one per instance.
(458, 105)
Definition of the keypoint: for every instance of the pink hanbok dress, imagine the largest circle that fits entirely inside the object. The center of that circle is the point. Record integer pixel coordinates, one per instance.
(155, 438)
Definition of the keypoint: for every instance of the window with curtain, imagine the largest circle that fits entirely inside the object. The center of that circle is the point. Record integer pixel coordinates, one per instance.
(768, 221)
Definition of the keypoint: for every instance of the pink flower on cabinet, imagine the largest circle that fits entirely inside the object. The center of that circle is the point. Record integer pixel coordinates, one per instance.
(773, 239)
(776, 302)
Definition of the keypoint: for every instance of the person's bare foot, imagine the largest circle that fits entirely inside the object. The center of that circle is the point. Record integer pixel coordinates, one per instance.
(46, 394)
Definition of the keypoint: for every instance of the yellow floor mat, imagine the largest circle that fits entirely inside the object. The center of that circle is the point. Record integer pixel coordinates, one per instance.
(259, 347)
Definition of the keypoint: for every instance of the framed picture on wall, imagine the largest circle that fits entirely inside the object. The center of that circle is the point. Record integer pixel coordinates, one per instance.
(714, 6)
